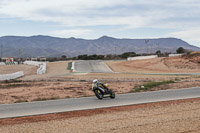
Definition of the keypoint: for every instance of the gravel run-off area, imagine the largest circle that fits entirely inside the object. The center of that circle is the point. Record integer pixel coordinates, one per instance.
(181, 116)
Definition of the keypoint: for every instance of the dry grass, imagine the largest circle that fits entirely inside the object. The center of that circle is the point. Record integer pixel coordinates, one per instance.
(45, 90)
(157, 65)
(54, 69)
(8, 69)
(30, 91)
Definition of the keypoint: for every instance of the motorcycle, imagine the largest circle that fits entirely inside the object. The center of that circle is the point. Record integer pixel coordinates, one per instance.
(102, 91)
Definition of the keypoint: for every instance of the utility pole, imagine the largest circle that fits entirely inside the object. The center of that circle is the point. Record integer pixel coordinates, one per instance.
(158, 46)
(1, 51)
(146, 42)
(115, 50)
(151, 48)
(20, 53)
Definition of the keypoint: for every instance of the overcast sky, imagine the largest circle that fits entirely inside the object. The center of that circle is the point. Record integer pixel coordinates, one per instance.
(91, 19)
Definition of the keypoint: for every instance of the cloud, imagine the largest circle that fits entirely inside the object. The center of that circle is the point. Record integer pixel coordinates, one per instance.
(127, 14)
(71, 32)
(132, 14)
(191, 35)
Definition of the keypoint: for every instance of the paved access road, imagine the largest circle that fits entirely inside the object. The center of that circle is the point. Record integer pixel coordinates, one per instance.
(64, 105)
(91, 66)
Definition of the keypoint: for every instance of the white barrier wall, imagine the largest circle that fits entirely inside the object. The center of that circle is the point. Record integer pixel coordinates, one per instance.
(41, 66)
(174, 55)
(11, 76)
(73, 66)
(2, 63)
(142, 57)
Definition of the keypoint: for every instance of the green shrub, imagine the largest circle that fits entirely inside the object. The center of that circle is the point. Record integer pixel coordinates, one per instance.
(44, 99)
(69, 66)
(13, 85)
(54, 98)
(39, 99)
(21, 101)
(149, 85)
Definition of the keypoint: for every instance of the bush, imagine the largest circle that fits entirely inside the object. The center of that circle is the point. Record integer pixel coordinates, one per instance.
(180, 50)
(21, 101)
(128, 54)
(44, 99)
(69, 66)
(90, 57)
(149, 85)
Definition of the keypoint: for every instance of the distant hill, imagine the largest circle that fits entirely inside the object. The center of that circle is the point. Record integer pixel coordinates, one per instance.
(48, 46)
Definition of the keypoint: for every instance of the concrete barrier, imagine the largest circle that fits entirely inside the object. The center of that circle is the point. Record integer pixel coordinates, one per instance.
(142, 57)
(2, 63)
(73, 66)
(41, 66)
(174, 55)
(11, 76)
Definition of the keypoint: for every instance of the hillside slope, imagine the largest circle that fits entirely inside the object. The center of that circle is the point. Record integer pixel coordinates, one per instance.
(47, 46)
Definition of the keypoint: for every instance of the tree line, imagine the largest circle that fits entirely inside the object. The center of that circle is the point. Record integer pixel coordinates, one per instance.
(111, 56)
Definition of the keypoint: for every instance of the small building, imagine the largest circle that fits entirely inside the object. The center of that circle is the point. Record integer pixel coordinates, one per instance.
(39, 59)
(43, 59)
(8, 59)
(34, 59)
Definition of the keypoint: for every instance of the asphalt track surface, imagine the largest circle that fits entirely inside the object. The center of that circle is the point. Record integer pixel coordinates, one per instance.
(98, 66)
(89, 66)
(85, 103)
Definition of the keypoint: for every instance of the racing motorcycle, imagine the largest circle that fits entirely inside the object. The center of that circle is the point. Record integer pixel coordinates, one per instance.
(102, 91)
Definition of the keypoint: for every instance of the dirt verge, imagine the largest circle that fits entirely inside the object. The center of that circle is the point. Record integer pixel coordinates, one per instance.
(157, 65)
(170, 116)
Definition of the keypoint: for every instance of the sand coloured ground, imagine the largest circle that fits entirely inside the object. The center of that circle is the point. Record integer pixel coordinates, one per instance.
(54, 69)
(58, 82)
(157, 65)
(8, 69)
(175, 116)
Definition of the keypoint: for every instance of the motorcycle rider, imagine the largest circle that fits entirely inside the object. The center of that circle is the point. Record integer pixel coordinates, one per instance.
(96, 83)
(102, 90)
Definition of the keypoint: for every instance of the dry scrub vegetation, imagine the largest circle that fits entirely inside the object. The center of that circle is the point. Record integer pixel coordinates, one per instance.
(28, 69)
(27, 91)
(184, 64)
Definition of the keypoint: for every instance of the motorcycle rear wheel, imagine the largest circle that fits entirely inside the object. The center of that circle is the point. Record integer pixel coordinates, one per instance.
(112, 94)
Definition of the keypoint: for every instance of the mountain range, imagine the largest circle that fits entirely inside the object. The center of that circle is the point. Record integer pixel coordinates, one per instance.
(47, 46)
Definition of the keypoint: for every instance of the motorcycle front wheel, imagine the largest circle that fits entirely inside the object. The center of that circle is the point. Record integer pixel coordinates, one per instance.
(98, 94)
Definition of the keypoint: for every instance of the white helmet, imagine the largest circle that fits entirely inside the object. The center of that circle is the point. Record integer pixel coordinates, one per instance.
(95, 81)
